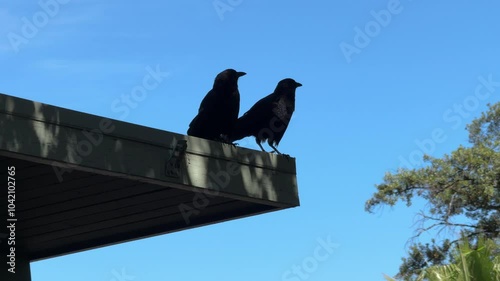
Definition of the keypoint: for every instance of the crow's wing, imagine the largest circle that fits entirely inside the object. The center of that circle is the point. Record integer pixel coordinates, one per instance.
(255, 119)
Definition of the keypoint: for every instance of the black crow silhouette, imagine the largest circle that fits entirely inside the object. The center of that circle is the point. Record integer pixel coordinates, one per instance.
(219, 109)
(269, 117)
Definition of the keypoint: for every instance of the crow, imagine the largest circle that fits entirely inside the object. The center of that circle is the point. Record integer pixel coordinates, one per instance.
(219, 109)
(269, 117)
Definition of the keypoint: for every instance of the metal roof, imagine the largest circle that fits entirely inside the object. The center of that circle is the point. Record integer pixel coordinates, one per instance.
(84, 181)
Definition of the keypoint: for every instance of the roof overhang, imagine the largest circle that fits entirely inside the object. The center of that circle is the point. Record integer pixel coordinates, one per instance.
(84, 181)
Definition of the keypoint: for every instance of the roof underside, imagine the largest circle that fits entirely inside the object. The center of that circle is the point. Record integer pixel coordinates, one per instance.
(88, 210)
(125, 188)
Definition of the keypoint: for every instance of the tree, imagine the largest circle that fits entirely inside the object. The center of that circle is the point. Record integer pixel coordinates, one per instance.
(462, 190)
(471, 264)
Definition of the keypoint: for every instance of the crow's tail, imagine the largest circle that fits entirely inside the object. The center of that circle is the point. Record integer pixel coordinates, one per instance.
(242, 128)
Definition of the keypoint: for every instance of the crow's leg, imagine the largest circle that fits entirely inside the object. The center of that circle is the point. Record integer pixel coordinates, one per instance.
(225, 139)
(233, 144)
(260, 145)
(276, 150)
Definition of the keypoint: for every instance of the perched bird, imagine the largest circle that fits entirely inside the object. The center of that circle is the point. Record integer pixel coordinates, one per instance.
(219, 109)
(269, 117)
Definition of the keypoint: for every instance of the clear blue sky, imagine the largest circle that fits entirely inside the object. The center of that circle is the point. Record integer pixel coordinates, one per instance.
(366, 101)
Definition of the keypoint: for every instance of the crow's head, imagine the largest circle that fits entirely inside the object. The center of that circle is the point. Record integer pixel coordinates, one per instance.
(287, 85)
(228, 76)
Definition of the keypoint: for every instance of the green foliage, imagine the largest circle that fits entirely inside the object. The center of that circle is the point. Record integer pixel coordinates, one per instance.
(485, 130)
(421, 256)
(472, 264)
(388, 278)
(478, 263)
(465, 183)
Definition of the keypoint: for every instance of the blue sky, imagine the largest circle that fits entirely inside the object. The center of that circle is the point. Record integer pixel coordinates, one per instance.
(412, 75)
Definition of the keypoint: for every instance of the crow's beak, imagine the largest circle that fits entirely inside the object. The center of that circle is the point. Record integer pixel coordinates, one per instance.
(241, 74)
(298, 84)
